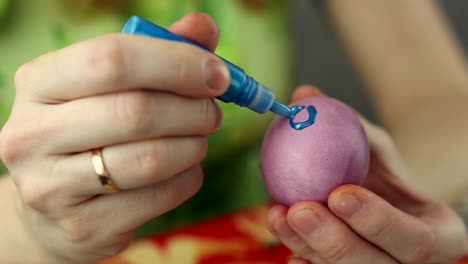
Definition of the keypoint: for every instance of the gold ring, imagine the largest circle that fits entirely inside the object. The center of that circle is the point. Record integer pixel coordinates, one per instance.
(101, 171)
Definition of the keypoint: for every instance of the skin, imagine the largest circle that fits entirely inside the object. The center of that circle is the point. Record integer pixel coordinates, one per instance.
(57, 210)
(416, 74)
(394, 224)
(417, 77)
(151, 117)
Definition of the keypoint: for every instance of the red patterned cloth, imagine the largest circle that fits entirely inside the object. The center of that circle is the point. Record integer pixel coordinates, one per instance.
(240, 238)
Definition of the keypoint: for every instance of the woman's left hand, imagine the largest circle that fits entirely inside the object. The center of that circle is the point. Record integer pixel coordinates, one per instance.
(382, 222)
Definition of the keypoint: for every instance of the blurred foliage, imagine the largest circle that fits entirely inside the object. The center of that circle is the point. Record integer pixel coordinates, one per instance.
(3, 8)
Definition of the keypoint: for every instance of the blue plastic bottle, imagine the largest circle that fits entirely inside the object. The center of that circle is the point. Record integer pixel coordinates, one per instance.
(243, 90)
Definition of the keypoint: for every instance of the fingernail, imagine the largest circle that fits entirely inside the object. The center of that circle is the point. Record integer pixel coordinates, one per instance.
(348, 206)
(219, 116)
(282, 228)
(216, 74)
(306, 221)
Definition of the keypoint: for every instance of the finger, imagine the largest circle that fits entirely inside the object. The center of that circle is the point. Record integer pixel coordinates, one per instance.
(128, 116)
(305, 91)
(127, 210)
(403, 236)
(198, 27)
(278, 225)
(450, 232)
(120, 62)
(296, 260)
(330, 238)
(134, 165)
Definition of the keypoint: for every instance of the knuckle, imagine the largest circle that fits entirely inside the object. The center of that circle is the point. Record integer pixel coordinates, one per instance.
(107, 60)
(77, 228)
(335, 251)
(36, 195)
(207, 112)
(18, 140)
(377, 232)
(150, 158)
(305, 252)
(425, 250)
(8, 152)
(132, 109)
(183, 67)
(188, 66)
(186, 55)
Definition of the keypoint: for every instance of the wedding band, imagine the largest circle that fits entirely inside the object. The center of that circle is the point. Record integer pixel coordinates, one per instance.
(101, 171)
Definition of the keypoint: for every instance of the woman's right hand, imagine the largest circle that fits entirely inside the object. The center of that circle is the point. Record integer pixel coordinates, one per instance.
(147, 102)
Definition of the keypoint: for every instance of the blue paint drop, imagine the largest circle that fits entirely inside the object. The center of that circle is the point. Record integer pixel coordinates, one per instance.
(301, 125)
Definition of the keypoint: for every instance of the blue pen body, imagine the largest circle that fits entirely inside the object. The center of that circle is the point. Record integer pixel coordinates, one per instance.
(243, 89)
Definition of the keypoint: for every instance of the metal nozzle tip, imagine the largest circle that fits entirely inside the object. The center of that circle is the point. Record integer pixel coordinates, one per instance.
(280, 109)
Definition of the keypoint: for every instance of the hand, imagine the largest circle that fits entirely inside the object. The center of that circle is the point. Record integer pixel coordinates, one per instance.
(147, 102)
(384, 222)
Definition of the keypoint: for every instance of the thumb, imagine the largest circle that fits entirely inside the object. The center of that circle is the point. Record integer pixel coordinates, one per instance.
(305, 91)
(198, 27)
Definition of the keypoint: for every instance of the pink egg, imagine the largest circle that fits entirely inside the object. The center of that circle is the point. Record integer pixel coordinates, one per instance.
(309, 164)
